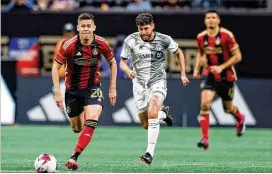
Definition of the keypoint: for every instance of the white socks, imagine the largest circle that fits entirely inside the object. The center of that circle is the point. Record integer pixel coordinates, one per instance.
(162, 115)
(153, 133)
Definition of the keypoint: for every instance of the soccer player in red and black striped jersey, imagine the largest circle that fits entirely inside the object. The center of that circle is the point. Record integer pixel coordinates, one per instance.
(81, 54)
(217, 48)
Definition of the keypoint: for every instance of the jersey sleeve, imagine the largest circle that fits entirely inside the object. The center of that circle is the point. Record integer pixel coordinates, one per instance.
(61, 55)
(199, 47)
(173, 46)
(107, 51)
(231, 41)
(126, 51)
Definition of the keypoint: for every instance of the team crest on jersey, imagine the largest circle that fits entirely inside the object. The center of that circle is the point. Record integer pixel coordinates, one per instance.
(159, 54)
(95, 51)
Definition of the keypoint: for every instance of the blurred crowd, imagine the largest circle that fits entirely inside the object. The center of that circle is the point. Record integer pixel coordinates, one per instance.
(131, 5)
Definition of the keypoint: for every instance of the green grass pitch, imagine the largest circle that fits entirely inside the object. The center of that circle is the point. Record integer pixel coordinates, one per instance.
(117, 149)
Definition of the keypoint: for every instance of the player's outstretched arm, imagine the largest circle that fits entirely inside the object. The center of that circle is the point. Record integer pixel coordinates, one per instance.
(124, 67)
(55, 77)
(200, 61)
(113, 75)
(180, 56)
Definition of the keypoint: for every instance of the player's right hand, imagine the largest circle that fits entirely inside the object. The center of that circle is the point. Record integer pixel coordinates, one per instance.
(196, 75)
(132, 75)
(59, 100)
(185, 80)
(112, 96)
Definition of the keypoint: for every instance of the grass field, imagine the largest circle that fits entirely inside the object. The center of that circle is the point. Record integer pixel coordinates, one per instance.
(117, 149)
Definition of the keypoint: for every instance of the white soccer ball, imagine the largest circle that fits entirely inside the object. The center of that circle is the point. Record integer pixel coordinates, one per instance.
(46, 163)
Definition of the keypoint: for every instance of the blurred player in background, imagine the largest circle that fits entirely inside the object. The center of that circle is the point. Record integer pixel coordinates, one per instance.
(68, 31)
(218, 48)
(147, 49)
(82, 80)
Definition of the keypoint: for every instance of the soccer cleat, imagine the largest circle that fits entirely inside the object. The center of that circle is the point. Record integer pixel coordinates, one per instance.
(169, 119)
(240, 127)
(71, 164)
(203, 143)
(146, 158)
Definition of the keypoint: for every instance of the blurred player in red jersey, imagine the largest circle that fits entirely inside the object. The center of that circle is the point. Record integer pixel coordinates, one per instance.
(81, 53)
(68, 31)
(219, 49)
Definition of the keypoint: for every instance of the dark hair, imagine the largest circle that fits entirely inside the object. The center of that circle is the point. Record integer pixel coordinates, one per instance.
(212, 11)
(85, 16)
(144, 19)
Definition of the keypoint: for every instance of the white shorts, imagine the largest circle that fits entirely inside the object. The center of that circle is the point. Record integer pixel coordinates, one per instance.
(143, 94)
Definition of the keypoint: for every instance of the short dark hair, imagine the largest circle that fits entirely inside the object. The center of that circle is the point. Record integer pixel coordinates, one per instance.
(85, 16)
(212, 11)
(144, 19)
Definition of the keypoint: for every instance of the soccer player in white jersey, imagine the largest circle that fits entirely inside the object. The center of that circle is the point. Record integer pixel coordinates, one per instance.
(147, 49)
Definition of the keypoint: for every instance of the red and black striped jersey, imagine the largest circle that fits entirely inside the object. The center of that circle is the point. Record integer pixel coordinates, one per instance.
(218, 50)
(83, 61)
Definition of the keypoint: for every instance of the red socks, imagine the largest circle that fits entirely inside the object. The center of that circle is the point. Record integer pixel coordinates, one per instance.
(237, 115)
(85, 135)
(205, 125)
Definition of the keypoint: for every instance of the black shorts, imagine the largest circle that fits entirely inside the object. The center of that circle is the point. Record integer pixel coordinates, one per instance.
(76, 99)
(223, 89)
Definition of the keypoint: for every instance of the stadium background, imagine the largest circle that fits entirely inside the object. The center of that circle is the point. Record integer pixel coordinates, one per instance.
(31, 118)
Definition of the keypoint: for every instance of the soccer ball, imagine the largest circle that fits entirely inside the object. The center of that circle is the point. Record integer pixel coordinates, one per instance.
(46, 163)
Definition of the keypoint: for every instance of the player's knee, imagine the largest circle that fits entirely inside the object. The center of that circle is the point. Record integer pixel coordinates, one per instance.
(152, 113)
(205, 104)
(92, 117)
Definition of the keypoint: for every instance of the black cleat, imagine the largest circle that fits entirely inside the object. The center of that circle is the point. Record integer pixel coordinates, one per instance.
(203, 143)
(146, 158)
(169, 119)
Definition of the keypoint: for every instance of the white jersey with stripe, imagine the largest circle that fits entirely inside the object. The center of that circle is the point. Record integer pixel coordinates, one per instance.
(148, 57)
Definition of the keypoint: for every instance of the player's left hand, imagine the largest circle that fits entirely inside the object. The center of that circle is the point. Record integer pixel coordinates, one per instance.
(185, 80)
(216, 69)
(112, 96)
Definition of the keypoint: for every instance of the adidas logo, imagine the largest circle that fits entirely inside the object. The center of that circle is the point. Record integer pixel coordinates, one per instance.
(78, 54)
(48, 110)
(7, 105)
(218, 115)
